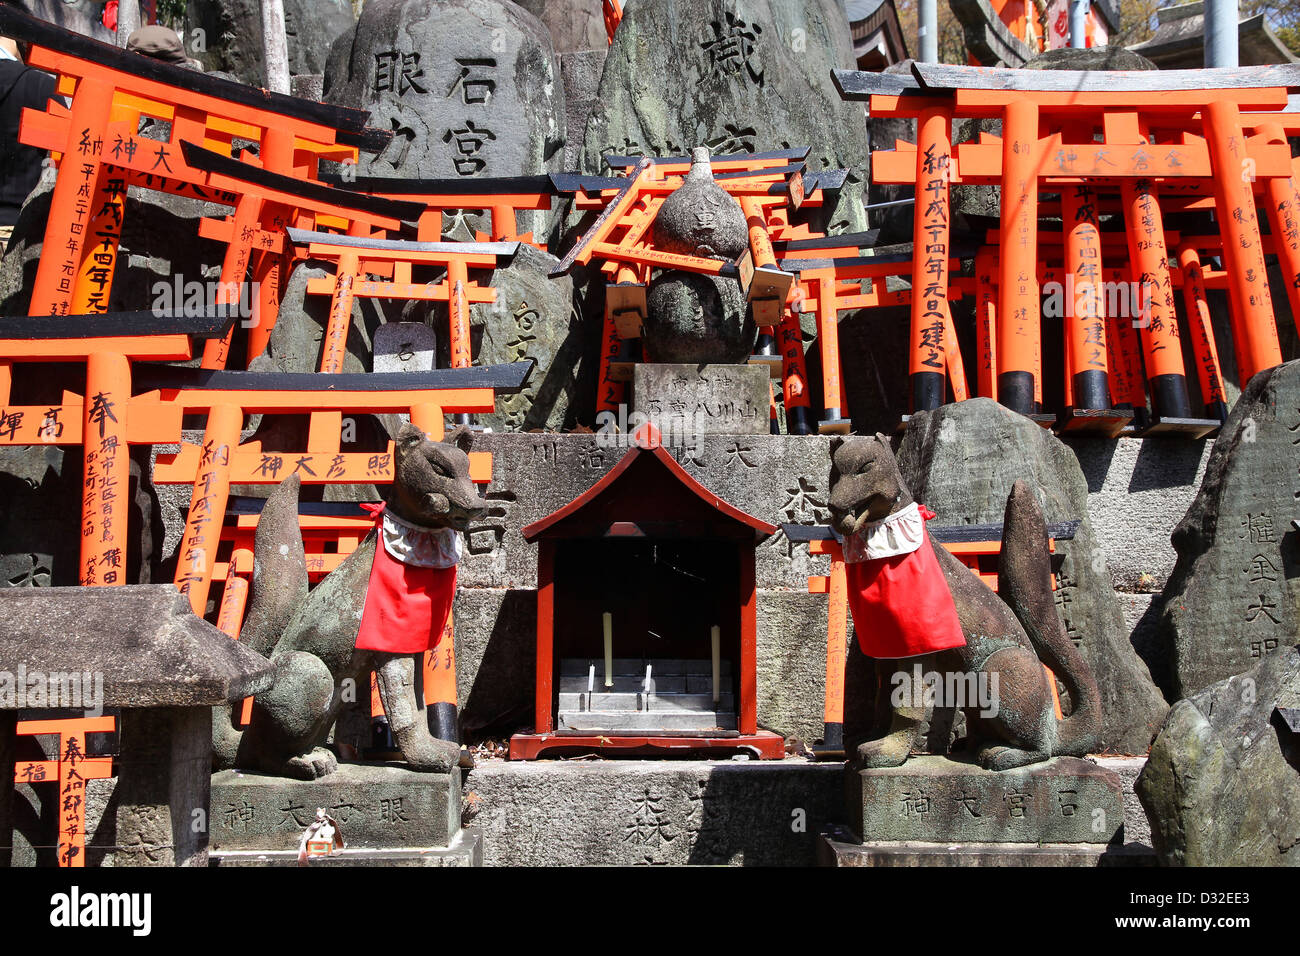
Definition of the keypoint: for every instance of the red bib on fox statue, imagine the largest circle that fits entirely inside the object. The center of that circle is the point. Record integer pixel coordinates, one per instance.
(412, 585)
(900, 601)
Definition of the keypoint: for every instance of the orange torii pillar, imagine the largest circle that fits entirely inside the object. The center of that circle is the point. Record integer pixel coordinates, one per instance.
(440, 698)
(1161, 343)
(1019, 336)
(986, 333)
(1126, 384)
(927, 363)
(70, 770)
(1283, 200)
(794, 376)
(1254, 326)
(1085, 308)
(837, 643)
(1209, 372)
(198, 551)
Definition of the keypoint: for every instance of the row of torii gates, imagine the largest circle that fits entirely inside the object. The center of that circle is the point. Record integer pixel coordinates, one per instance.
(1117, 148)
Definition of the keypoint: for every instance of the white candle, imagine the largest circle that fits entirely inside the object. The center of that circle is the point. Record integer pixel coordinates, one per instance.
(717, 659)
(609, 649)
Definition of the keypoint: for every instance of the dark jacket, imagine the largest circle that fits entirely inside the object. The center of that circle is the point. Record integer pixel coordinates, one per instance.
(20, 166)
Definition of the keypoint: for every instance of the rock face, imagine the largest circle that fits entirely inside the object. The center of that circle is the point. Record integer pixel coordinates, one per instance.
(961, 461)
(736, 77)
(532, 318)
(232, 35)
(469, 88)
(1222, 784)
(83, 16)
(1232, 596)
(574, 24)
(40, 522)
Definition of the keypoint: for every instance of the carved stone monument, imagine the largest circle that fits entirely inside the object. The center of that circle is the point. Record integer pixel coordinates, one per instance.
(691, 400)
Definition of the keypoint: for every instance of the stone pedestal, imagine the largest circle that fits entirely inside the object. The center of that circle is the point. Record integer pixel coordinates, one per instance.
(164, 771)
(684, 401)
(465, 849)
(377, 806)
(933, 799)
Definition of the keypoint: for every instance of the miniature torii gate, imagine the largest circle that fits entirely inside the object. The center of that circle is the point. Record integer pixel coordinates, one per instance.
(221, 461)
(765, 185)
(821, 293)
(976, 546)
(1019, 98)
(285, 200)
(502, 197)
(70, 770)
(110, 90)
(356, 257)
(106, 419)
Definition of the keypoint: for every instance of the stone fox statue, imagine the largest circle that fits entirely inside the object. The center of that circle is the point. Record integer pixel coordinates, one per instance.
(319, 641)
(1000, 638)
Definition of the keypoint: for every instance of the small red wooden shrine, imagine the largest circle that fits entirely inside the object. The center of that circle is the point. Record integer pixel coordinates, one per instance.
(668, 560)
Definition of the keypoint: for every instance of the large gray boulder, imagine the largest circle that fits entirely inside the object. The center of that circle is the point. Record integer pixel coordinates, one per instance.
(469, 88)
(231, 38)
(1232, 596)
(736, 77)
(1222, 784)
(961, 461)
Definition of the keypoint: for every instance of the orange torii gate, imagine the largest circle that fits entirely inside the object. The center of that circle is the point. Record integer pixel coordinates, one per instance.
(284, 201)
(766, 185)
(823, 292)
(70, 770)
(355, 258)
(222, 461)
(976, 546)
(110, 91)
(502, 197)
(106, 419)
(1118, 104)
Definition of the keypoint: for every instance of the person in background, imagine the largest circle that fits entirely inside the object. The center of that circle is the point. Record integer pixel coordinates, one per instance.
(161, 44)
(20, 165)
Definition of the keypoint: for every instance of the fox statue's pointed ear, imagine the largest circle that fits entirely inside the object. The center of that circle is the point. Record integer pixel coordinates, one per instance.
(462, 437)
(410, 436)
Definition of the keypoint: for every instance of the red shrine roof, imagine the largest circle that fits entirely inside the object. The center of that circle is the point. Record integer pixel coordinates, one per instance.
(648, 494)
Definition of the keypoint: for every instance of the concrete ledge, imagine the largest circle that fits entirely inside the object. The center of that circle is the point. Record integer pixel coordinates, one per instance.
(836, 848)
(466, 850)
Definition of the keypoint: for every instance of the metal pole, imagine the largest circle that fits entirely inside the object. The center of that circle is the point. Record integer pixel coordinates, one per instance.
(928, 31)
(1079, 23)
(1221, 18)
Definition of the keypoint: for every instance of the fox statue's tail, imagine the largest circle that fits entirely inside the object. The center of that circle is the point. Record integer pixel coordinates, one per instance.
(1025, 584)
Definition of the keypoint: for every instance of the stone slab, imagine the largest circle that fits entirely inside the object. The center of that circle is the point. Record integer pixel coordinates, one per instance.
(932, 799)
(141, 643)
(647, 812)
(466, 849)
(695, 400)
(377, 806)
(1137, 828)
(837, 848)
